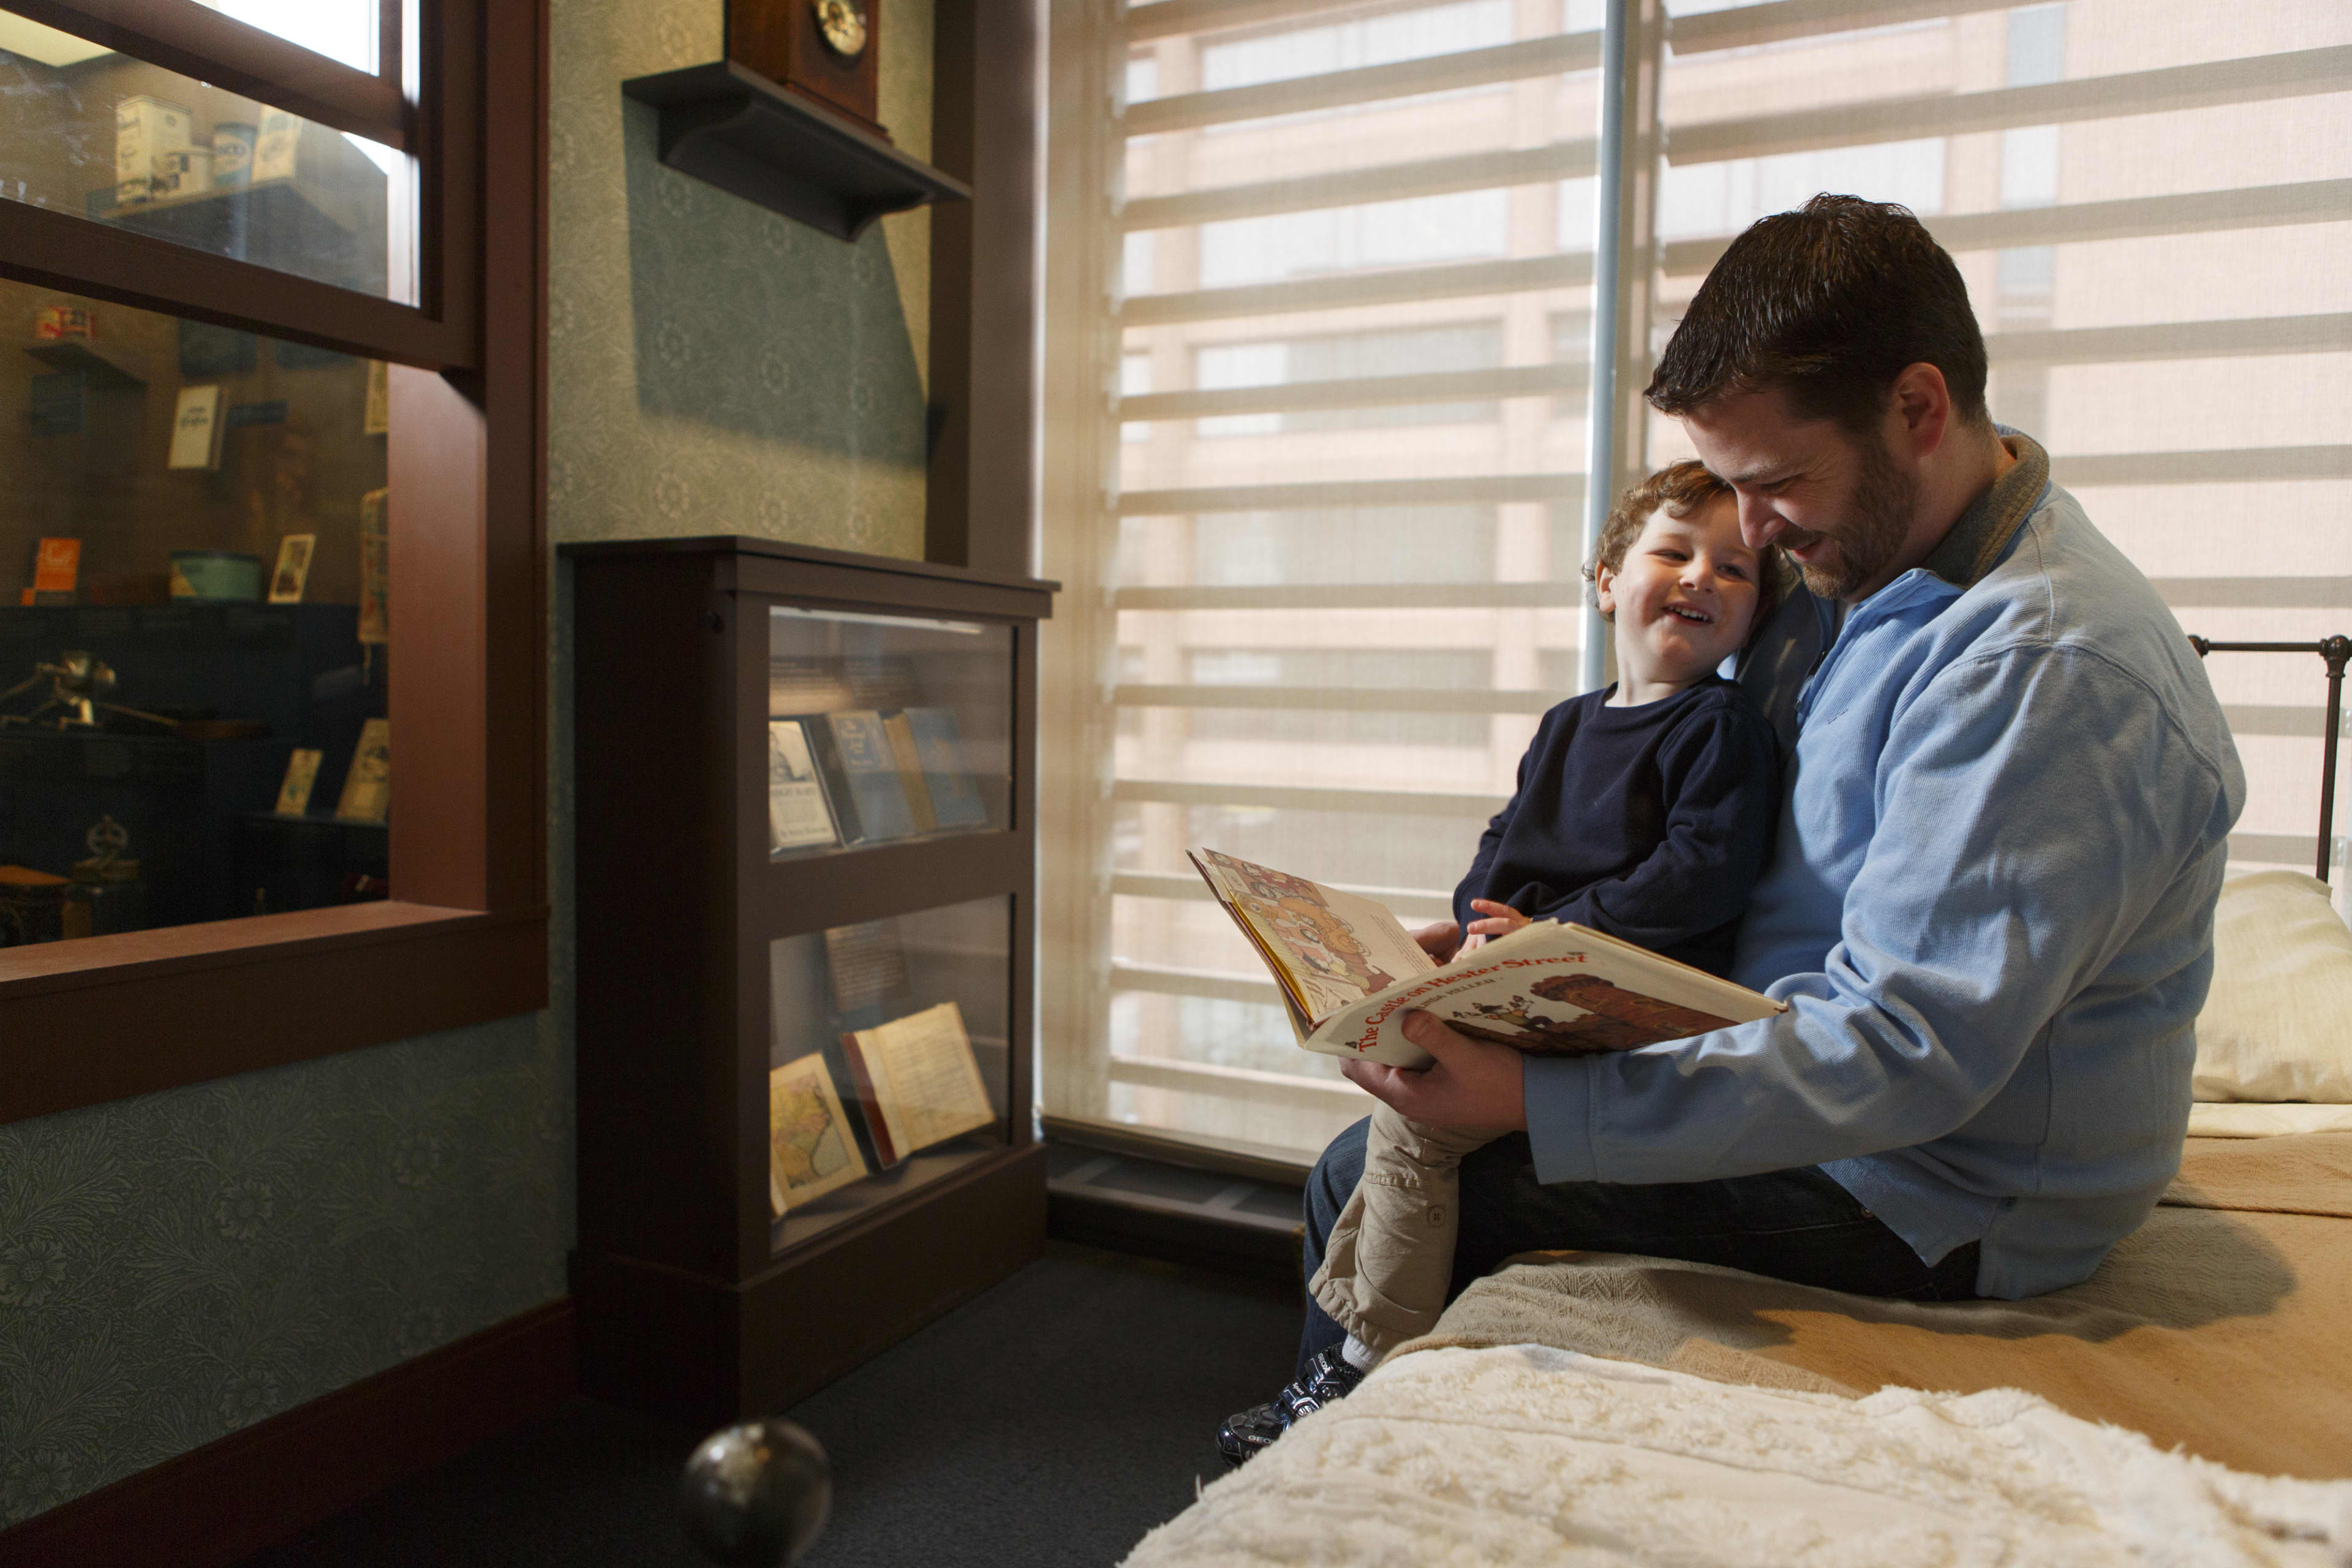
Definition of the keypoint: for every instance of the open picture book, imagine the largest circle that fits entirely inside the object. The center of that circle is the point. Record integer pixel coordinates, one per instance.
(1349, 973)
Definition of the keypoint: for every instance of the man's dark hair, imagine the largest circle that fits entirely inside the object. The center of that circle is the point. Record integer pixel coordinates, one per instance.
(1828, 303)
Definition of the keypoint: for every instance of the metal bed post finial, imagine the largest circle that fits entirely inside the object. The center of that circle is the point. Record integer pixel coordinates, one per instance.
(2336, 651)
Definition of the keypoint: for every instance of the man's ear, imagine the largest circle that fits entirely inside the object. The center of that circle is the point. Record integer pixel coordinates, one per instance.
(1923, 404)
(1604, 599)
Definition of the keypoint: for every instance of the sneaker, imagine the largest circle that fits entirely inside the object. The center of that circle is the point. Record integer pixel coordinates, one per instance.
(1328, 1377)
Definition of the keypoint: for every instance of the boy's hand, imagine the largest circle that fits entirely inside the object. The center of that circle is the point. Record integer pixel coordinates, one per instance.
(1439, 941)
(1501, 920)
(1472, 1084)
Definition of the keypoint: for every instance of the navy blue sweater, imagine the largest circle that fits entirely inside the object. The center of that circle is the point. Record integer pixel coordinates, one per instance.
(1649, 822)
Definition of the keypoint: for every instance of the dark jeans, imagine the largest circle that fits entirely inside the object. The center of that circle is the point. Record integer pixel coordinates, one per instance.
(1797, 1225)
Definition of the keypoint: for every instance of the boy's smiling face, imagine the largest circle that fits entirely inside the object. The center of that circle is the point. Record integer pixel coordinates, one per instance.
(1683, 599)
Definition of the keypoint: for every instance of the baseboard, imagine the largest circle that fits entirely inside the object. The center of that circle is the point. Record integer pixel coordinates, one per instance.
(228, 1500)
(1246, 1161)
(1202, 1241)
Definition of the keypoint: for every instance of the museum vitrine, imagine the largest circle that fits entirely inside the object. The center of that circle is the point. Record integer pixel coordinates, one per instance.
(194, 668)
(249, 382)
(805, 857)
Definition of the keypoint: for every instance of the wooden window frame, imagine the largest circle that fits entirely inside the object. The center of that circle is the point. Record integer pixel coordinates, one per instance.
(444, 130)
(465, 939)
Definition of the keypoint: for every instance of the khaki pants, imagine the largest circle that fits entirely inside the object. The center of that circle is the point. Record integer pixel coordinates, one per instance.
(1389, 1258)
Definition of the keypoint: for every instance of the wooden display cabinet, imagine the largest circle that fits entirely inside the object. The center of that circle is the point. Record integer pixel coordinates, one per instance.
(805, 820)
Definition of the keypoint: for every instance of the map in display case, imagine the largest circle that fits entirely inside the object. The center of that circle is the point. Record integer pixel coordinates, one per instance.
(884, 728)
(888, 1066)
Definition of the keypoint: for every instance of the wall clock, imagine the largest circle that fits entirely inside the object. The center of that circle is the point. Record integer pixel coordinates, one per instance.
(821, 49)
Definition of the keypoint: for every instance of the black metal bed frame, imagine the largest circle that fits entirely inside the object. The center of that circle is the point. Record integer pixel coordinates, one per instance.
(2336, 650)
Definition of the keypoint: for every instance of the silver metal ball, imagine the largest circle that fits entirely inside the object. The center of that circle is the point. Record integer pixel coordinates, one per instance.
(756, 1496)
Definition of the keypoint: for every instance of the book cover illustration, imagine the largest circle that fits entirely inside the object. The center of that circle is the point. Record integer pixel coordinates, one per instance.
(918, 1081)
(871, 767)
(375, 419)
(57, 572)
(292, 573)
(1328, 950)
(798, 814)
(1549, 988)
(367, 788)
(376, 568)
(866, 964)
(302, 776)
(809, 1149)
(911, 772)
(956, 800)
(197, 428)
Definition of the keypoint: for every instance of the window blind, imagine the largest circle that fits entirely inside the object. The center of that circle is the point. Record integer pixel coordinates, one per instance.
(1320, 309)
(2152, 205)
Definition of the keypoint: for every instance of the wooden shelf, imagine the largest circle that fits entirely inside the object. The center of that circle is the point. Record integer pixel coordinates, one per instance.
(110, 363)
(295, 225)
(728, 125)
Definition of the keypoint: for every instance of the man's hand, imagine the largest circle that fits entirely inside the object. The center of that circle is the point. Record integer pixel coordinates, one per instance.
(1439, 941)
(1473, 1084)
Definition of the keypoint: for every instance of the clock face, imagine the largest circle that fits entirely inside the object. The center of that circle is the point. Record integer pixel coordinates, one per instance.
(842, 25)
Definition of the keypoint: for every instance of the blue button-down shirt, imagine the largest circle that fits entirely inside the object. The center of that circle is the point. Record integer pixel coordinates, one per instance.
(1990, 910)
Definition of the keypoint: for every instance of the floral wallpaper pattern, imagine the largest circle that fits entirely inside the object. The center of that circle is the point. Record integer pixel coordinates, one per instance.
(178, 1266)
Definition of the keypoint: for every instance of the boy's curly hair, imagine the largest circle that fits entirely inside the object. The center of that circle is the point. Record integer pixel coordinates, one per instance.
(1681, 488)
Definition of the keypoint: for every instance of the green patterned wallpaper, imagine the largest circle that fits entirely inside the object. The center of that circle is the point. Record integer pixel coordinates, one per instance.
(175, 1267)
(714, 367)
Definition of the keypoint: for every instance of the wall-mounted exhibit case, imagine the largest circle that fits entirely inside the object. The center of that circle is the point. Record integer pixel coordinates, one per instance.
(805, 786)
(194, 617)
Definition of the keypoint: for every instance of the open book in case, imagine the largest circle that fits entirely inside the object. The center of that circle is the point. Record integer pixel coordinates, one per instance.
(805, 797)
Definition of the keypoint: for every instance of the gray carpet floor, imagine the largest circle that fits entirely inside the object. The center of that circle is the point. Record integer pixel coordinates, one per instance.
(1052, 1421)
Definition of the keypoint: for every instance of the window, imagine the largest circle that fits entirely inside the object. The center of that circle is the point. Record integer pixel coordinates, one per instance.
(1387, 359)
(240, 254)
(1329, 580)
(1340, 566)
(2150, 215)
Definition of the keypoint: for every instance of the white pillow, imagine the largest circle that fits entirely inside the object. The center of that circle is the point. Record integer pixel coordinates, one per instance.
(2278, 1022)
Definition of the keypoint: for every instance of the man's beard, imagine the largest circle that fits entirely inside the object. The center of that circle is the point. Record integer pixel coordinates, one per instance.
(1884, 497)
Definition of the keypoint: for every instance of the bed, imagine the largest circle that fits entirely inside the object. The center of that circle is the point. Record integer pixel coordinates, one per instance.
(2190, 1403)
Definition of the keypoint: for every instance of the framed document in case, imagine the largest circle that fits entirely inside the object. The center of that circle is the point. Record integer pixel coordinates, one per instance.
(799, 816)
(871, 766)
(956, 800)
(810, 1148)
(917, 1081)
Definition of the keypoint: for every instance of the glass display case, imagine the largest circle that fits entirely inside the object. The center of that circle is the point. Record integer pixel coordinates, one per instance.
(805, 787)
(194, 621)
(887, 1064)
(141, 148)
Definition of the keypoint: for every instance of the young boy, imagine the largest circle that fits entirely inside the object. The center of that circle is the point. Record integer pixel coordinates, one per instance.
(1645, 810)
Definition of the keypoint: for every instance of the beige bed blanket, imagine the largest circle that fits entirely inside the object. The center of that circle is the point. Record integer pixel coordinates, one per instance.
(1526, 1456)
(2224, 1325)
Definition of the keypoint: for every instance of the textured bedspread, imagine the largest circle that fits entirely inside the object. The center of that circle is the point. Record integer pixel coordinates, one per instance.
(2223, 1326)
(1533, 1456)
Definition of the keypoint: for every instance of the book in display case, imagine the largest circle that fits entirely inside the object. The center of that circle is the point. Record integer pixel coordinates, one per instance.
(804, 791)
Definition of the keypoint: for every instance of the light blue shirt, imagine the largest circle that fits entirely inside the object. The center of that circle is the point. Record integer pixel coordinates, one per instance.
(1990, 910)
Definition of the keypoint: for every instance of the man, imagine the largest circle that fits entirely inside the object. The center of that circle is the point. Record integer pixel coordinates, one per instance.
(1990, 903)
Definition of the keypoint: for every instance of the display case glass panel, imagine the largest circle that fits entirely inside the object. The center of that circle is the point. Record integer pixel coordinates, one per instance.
(115, 141)
(193, 610)
(888, 1066)
(884, 728)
